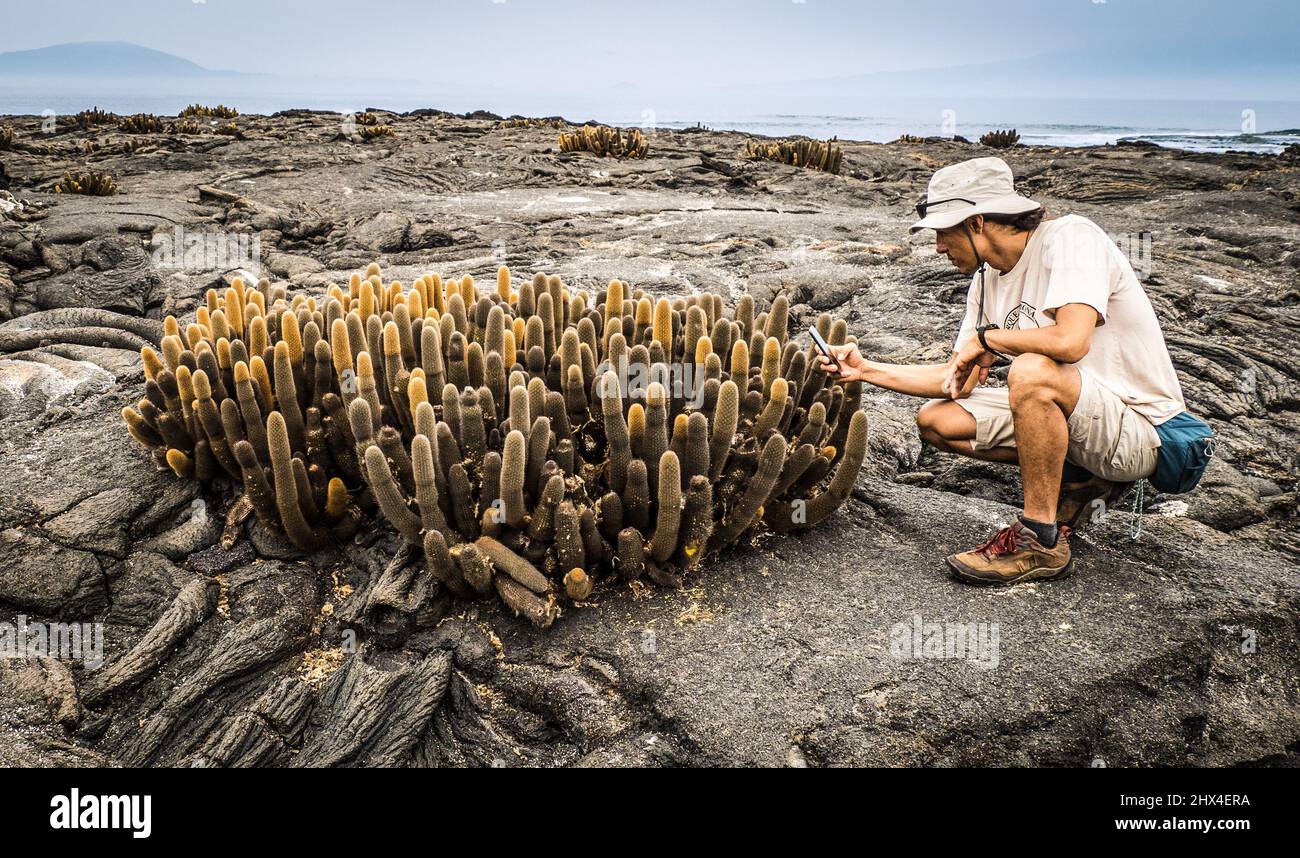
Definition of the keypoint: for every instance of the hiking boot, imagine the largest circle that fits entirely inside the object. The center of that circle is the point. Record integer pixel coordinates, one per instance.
(1087, 502)
(1014, 554)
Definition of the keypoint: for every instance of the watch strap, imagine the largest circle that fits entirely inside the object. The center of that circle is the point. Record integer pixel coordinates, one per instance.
(980, 331)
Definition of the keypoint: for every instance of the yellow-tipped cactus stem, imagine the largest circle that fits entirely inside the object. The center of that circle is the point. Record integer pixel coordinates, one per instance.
(577, 584)
(787, 516)
(670, 508)
(180, 463)
(663, 323)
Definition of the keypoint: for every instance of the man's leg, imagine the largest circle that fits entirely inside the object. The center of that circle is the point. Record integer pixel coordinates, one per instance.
(1043, 394)
(951, 428)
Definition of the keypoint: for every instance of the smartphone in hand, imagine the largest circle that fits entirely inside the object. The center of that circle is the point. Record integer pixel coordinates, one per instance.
(824, 348)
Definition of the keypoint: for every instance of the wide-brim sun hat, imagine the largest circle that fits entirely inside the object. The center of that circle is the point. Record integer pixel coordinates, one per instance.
(977, 186)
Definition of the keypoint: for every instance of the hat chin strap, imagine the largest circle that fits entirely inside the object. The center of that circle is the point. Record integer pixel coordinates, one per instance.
(983, 266)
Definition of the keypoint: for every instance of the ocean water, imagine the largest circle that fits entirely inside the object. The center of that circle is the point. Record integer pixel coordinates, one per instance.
(1202, 126)
(1031, 134)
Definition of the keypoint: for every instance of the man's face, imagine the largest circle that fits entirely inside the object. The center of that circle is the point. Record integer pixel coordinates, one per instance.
(954, 244)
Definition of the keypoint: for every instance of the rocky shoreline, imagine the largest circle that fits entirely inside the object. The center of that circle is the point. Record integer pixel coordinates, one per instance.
(1174, 648)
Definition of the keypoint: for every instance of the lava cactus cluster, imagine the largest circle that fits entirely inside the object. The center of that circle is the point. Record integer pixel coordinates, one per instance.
(532, 440)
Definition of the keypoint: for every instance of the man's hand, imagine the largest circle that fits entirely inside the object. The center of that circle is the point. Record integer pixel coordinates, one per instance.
(852, 364)
(971, 359)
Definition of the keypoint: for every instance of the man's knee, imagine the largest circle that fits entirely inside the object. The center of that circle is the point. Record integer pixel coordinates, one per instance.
(936, 426)
(1033, 376)
(927, 423)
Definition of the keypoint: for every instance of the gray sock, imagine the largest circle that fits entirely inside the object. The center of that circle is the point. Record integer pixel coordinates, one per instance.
(1045, 531)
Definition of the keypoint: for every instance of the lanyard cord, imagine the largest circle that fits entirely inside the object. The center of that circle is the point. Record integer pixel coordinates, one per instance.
(1139, 501)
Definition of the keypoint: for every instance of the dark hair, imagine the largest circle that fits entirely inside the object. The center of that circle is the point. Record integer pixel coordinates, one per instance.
(1023, 222)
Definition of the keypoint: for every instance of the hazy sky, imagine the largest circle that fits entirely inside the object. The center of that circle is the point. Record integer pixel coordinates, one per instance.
(657, 43)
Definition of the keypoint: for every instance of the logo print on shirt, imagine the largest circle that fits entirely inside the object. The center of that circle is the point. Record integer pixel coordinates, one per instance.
(1025, 310)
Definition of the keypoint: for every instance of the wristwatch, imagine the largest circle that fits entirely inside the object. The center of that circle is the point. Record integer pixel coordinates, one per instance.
(980, 331)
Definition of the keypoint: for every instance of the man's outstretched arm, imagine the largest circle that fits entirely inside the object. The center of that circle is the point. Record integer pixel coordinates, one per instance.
(912, 379)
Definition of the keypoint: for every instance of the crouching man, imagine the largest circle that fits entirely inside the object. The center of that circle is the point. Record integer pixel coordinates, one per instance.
(1090, 376)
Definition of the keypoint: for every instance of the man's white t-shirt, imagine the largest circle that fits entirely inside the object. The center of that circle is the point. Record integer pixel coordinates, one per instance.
(1070, 260)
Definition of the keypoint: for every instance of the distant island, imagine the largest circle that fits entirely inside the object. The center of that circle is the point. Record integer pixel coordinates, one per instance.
(99, 59)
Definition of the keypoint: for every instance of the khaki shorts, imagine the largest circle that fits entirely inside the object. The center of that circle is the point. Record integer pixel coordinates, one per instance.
(1107, 437)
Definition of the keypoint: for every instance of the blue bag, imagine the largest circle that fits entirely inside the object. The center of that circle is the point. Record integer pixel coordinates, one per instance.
(1186, 445)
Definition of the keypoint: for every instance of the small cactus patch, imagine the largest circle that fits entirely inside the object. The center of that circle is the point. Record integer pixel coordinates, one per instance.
(605, 141)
